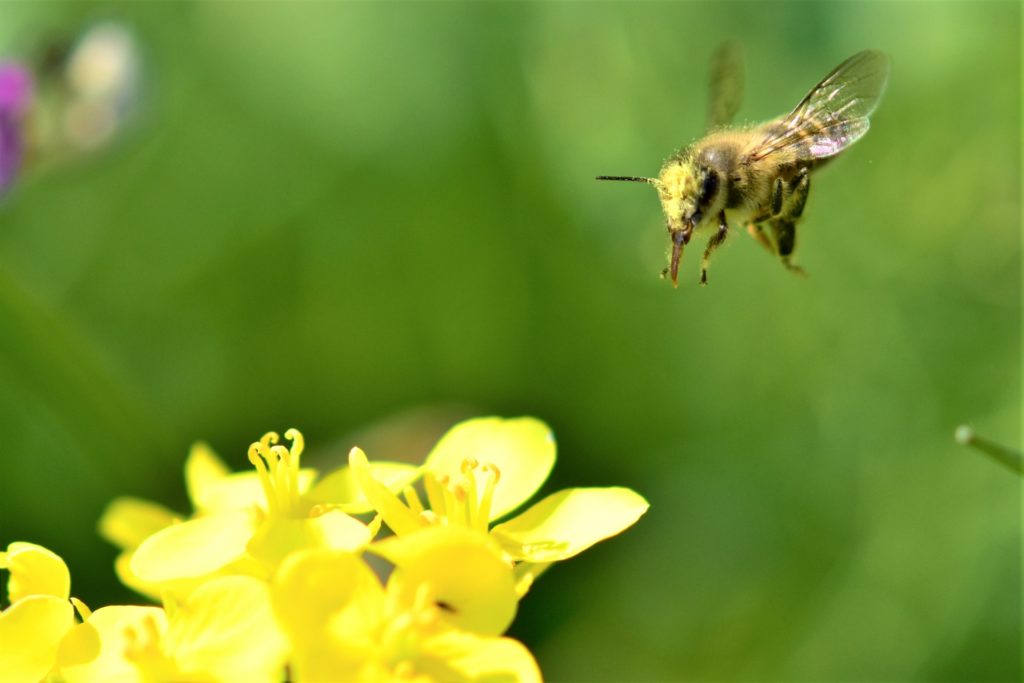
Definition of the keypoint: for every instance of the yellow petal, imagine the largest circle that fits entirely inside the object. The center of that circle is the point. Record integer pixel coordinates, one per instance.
(203, 469)
(226, 631)
(34, 571)
(523, 449)
(460, 656)
(472, 584)
(128, 521)
(396, 515)
(319, 596)
(341, 488)
(179, 587)
(194, 548)
(30, 633)
(123, 569)
(241, 491)
(568, 522)
(97, 650)
(278, 537)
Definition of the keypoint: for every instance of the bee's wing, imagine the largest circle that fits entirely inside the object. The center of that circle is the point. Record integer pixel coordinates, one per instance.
(834, 114)
(726, 83)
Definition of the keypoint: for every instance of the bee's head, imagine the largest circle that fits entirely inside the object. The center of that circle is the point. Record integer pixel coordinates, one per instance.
(687, 191)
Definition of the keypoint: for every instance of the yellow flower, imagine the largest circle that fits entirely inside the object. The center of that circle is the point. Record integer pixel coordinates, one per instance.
(484, 468)
(213, 489)
(224, 631)
(246, 524)
(40, 613)
(344, 626)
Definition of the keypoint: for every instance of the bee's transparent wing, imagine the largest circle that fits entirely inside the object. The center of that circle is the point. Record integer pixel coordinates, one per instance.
(726, 83)
(834, 114)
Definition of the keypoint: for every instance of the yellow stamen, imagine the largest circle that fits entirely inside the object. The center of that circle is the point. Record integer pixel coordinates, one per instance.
(144, 641)
(435, 493)
(430, 517)
(452, 507)
(256, 458)
(469, 466)
(278, 470)
(295, 451)
(484, 511)
(277, 474)
(412, 500)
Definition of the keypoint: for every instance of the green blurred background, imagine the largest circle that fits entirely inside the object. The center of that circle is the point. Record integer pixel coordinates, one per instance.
(328, 215)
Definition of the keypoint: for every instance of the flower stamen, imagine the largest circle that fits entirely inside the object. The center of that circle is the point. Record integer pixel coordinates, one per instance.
(256, 458)
(412, 500)
(278, 470)
(435, 492)
(493, 477)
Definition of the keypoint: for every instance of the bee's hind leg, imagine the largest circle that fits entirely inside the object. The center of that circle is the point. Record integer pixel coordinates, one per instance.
(784, 226)
(800, 187)
(715, 241)
(785, 242)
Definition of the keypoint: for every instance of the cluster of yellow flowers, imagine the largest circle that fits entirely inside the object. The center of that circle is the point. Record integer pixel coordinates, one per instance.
(276, 575)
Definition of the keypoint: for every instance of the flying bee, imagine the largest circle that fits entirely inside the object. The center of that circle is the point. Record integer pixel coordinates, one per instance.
(760, 176)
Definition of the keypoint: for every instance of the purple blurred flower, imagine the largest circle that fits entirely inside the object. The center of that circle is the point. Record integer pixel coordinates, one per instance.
(15, 99)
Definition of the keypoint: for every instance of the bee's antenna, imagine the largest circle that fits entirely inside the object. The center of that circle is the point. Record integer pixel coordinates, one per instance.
(628, 178)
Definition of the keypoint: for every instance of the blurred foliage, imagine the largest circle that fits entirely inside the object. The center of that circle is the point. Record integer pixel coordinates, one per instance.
(331, 213)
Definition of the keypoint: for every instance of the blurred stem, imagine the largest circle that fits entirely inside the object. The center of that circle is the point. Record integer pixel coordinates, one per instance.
(49, 359)
(1003, 454)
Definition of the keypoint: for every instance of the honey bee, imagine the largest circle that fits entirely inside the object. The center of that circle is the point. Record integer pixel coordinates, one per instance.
(760, 175)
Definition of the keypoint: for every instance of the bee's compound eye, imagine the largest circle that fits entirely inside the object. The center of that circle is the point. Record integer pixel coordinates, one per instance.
(708, 187)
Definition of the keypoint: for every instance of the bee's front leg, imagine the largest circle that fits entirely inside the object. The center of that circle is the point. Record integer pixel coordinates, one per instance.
(715, 241)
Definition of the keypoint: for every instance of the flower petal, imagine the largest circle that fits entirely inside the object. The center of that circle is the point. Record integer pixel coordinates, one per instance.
(523, 450)
(241, 491)
(472, 584)
(97, 650)
(128, 521)
(278, 537)
(123, 569)
(203, 469)
(34, 571)
(323, 599)
(194, 548)
(341, 488)
(30, 633)
(396, 515)
(568, 522)
(226, 631)
(459, 656)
